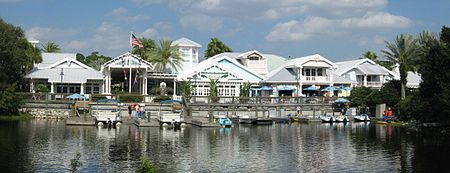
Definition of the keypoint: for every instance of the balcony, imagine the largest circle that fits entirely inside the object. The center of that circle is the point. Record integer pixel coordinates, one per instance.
(317, 78)
(371, 84)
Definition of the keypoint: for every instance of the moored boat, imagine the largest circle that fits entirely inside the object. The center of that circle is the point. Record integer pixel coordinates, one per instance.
(224, 121)
(361, 118)
(328, 119)
(342, 118)
(246, 119)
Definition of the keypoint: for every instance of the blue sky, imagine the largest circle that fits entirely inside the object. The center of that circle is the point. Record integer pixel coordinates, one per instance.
(336, 29)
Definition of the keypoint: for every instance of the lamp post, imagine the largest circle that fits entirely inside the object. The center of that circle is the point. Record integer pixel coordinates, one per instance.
(62, 86)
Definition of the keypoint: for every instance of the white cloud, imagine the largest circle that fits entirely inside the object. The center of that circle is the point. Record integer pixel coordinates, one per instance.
(320, 26)
(48, 34)
(150, 33)
(121, 14)
(201, 22)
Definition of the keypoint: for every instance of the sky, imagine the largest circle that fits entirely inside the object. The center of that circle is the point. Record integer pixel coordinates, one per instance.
(336, 29)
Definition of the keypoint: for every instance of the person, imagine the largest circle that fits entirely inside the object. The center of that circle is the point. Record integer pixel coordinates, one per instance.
(129, 111)
(141, 112)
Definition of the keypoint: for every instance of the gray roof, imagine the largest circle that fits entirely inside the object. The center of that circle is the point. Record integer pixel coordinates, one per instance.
(50, 58)
(284, 74)
(185, 42)
(373, 69)
(345, 65)
(274, 61)
(71, 75)
(342, 80)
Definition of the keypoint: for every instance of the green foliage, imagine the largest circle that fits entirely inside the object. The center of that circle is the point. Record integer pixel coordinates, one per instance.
(51, 47)
(388, 94)
(213, 90)
(128, 98)
(411, 107)
(165, 55)
(75, 163)
(402, 51)
(34, 55)
(370, 55)
(216, 47)
(244, 92)
(18, 117)
(445, 35)
(94, 60)
(149, 47)
(186, 89)
(435, 86)
(362, 96)
(41, 88)
(146, 167)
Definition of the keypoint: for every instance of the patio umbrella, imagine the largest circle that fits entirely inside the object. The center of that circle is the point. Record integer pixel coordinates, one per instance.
(266, 88)
(75, 96)
(330, 88)
(341, 100)
(346, 89)
(311, 88)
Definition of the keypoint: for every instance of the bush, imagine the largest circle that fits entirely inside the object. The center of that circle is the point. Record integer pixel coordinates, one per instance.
(10, 102)
(131, 98)
(159, 98)
(146, 166)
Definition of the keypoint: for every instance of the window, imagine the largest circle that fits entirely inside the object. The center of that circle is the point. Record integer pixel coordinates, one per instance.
(319, 72)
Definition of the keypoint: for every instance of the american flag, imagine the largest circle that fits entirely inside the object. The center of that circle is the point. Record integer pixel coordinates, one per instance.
(135, 41)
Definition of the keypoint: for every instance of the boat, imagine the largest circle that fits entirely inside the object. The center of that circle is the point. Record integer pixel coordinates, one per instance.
(173, 118)
(328, 119)
(382, 122)
(245, 119)
(224, 121)
(342, 119)
(107, 117)
(361, 118)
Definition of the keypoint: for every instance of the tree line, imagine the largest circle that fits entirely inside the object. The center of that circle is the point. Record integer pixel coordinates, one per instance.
(426, 53)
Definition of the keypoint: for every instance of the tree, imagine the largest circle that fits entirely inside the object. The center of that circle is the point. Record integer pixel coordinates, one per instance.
(216, 47)
(34, 55)
(445, 35)
(434, 92)
(16, 58)
(213, 90)
(402, 52)
(165, 55)
(80, 57)
(370, 55)
(149, 46)
(51, 47)
(96, 61)
(186, 89)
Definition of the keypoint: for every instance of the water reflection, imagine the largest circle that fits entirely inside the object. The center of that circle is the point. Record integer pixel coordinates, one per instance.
(48, 146)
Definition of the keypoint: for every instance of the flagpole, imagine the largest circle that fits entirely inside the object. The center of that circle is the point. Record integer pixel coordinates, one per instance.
(131, 40)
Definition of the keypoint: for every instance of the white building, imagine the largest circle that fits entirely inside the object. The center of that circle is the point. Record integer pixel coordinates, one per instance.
(366, 72)
(294, 77)
(62, 73)
(230, 74)
(189, 51)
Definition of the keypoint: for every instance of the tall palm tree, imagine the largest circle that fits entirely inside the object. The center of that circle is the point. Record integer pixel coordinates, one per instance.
(51, 47)
(165, 55)
(33, 56)
(402, 52)
(370, 55)
(149, 46)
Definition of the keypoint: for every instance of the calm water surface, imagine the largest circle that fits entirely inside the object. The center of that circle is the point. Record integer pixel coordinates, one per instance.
(48, 146)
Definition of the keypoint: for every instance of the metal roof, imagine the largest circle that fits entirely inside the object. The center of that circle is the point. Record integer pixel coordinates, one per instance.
(71, 75)
(185, 42)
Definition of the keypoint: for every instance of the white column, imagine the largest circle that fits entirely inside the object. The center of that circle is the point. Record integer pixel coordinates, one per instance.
(129, 79)
(52, 88)
(31, 87)
(174, 87)
(109, 84)
(382, 79)
(82, 88)
(365, 80)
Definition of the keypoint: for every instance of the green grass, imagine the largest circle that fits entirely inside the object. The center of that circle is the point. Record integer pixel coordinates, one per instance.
(21, 116)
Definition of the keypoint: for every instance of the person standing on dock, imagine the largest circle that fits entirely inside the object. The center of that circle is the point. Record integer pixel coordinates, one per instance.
(129, 111)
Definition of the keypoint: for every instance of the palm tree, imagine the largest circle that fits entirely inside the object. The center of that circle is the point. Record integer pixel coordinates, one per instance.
(149, 46)
(215, 46)
(165, 55)
(51, 47)
(402, 52)
(370, 55)
(33, 56)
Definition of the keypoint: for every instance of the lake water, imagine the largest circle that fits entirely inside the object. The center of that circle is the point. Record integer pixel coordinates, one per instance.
(48, 146)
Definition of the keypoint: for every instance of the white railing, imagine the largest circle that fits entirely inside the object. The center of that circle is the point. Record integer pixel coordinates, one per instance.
(317, 78)
(374, 84)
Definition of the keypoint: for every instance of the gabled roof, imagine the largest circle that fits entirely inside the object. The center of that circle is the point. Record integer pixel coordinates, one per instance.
(185, 42)
(274, 61)
(121, 61)
(282, 75)
(74, 71)
(301, 61)
(51, 58)
(413, 79)
(366, 66)
(222, 61)
(245, 54)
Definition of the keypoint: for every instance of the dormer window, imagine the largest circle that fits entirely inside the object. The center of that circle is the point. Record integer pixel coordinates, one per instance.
(253, 58)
